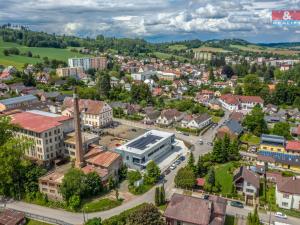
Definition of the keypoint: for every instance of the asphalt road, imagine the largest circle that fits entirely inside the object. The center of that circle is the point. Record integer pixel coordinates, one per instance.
(78, 218)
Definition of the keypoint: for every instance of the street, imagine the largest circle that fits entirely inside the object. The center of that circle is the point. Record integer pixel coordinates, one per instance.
(78, 218)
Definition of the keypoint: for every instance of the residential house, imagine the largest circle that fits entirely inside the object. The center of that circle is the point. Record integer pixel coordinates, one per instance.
(49, 96)
(240, 103)
(94, 113)
(232, 128)
(197, 122)
(237, 116)
(270, 109)
(151, 117)
(114, 81)
(288, 193)
(169, 116)
(183, 209)
(247, 182)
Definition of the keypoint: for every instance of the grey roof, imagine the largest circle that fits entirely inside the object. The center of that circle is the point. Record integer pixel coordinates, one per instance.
(202, 118)
(234, 126)
(19, 99)
(143, 142)
(273, 118)
(272, 139)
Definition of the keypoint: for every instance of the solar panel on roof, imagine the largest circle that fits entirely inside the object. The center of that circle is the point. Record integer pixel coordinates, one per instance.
(142, 142)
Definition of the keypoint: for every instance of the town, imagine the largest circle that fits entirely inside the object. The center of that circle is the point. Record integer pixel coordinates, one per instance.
(194, 136)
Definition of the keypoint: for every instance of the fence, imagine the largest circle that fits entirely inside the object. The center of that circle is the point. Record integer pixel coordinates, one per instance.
(40, 218)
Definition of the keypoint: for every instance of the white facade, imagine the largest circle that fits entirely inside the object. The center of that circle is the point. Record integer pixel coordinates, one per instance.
(152, 145)
(287, 201)
(230, 107)
(199, 125)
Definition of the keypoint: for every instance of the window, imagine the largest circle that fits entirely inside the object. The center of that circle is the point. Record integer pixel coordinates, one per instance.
(249, 190)
(285, 204)
(127, 158)
(286, 195)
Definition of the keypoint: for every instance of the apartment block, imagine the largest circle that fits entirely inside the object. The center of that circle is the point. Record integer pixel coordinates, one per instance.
(69, 71)
(98, 63)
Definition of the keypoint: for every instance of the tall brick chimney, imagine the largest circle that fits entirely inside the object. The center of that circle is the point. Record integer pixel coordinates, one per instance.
(79, 162)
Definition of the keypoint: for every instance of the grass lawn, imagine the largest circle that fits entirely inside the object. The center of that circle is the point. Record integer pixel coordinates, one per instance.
(177, 47)
(35, 222)
(216, 119)
(140, 190)
(18, 60)
(101, 205)
(163, 207)
(250, 139)
(225, 177)
(162, 55)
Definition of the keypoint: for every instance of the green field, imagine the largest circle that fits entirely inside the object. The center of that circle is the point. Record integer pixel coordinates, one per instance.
(210, 49)
(177, 47)
(18, 61)
(259, 49)
(250, 139)
(167, 56)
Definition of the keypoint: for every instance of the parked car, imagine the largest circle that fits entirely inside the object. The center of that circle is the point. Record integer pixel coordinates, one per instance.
(201, 142)
(179, 132)
(237, 204)
(206, 197)
(210, 143)
(280, 215)
(182, 158)
(186, 134)
(173, 167)
(167, 171)
(177, 162)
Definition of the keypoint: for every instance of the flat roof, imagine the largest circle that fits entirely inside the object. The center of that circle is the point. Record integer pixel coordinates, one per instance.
(70, 139)
(145, 141)
(19, 99)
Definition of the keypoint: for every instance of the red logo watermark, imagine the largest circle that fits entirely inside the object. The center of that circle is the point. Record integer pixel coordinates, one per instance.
(286, 17)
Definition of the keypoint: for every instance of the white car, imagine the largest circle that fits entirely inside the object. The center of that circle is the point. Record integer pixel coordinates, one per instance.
(173, 167)
(280, 215)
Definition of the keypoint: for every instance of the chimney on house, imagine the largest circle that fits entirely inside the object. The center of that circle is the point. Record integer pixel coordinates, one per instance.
(79, 162)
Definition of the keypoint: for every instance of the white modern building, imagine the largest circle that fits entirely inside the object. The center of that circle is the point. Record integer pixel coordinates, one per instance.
(152, 145)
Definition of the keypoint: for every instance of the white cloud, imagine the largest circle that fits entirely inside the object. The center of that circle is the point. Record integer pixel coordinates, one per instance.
(147, 18)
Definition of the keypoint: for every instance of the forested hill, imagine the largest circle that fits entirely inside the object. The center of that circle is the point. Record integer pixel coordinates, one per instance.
(134, 46)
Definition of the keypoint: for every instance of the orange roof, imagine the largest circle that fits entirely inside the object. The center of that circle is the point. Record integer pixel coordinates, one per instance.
(104, 159)
(89, 169)
(36, 122)
(293, 145)
(91, 106)
(200, 182)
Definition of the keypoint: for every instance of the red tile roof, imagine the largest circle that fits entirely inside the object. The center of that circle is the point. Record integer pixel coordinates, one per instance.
(236, 99)
(89, 169)
(11, 217)
(90, 106)
(293, 145)
(255, 99)
(289, 185)
(230, 99)
(36, 122)
(200, 182)
(104, 159)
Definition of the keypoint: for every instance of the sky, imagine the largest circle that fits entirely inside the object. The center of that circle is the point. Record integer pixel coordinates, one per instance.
(154, 20)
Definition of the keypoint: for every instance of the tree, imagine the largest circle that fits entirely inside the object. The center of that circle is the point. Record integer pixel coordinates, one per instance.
(6, 52)
(73, 184)
(217, 155)
(211, 177)
(282, 129)
(162, 195)
(255, 122)
(103, 84)
(146, 215)
(94, 221)
(12, 160)
(140, 92)
(252, 85)
(201, 166)
(185, 178)
(157, 196)
(238, 90)
(93, 184)
(74, 202)
(191, 163)
(296, 102)
(133, 176)
(234, 151)
(253, 219)
(111, 183)
(211, 75)
(228, 71)
(117, 194)
(153, 172)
